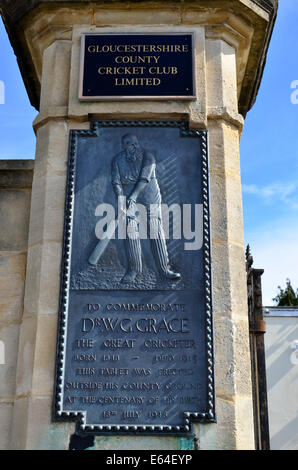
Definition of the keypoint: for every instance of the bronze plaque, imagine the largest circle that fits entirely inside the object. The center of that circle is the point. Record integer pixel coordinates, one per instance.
(135, 346)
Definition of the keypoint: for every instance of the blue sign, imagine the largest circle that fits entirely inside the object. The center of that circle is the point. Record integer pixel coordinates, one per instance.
(137, 66)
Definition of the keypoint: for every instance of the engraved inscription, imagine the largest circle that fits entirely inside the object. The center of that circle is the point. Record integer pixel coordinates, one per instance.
(147, 366)
(137, 65)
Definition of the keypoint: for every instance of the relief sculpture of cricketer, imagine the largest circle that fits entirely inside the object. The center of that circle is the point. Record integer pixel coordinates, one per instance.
(135, 346)
(134, 181)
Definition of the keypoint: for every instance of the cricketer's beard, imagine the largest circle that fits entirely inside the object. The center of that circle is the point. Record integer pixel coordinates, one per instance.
(132, 152)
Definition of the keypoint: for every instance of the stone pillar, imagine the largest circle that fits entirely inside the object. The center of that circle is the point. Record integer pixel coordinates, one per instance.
(234, 403)
(32, 427)
(231, 43)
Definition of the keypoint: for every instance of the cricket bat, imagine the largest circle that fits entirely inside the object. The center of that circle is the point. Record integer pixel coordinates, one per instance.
(103, 243)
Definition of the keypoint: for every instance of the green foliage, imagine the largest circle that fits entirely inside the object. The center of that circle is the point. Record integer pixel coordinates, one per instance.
(287, 297)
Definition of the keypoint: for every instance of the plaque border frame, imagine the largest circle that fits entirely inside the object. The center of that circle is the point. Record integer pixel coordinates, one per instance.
(83, 98)
(58, 414)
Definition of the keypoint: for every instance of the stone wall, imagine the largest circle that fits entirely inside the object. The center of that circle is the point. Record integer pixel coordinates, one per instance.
(15, 198)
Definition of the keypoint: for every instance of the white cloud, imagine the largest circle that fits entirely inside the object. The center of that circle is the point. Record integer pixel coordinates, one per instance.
(286, 193)
(275, 250)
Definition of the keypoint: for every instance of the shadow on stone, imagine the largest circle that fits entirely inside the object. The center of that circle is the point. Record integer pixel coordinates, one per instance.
(81, 442)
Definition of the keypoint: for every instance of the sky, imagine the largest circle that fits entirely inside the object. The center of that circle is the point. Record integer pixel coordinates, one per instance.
(269, 161)
(268, 150)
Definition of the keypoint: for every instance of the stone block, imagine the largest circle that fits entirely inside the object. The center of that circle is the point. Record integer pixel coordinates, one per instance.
(12, 281)
(33, 428)
(221, 277)
(226, 210)
(242, 365)
(19, 424)
(45, 356)
(238, 281)
(48, 205)
(43, 279)
(51, 148)
(6, 410)
(225, 360)
(26, 350)
(224, 147)
(9, 335)
(42, 433)
(37, 354)
(245, 422)
(133, 15)
(221, 435)
(56, 68)
(14, 219)
(221, 75)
